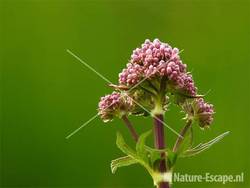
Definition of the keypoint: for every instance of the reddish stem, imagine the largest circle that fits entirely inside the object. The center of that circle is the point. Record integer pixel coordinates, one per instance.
(130, 127)
(181, 136)
(160, 144)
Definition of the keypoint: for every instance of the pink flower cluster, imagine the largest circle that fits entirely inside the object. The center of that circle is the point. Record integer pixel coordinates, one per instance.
(203, 112)
(157, 59)
(131, 75)
(113, 105)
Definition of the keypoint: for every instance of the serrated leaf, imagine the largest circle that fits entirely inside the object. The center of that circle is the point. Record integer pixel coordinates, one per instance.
(140, 146)
(202, 147)
(124, 147)
(122, 161)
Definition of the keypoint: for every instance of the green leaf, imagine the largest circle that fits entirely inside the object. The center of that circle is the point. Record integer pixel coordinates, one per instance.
(131, 153)
(124, 147)
(171, 158)
(186, 142)
(155, 156)
(141, 155)
(122, 161)
(202, 147)
(140, 146)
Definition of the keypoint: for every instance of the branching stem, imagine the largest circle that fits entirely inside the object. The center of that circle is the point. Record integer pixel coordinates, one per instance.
(182, 135)
(130, 127)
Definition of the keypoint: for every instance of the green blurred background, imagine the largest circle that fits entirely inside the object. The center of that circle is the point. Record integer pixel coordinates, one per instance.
(46, 93)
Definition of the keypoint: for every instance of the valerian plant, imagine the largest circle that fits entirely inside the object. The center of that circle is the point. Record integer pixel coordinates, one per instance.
(154, 77)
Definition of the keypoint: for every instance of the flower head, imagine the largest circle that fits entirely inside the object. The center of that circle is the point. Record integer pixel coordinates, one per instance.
(156, 60)
(112, 105)
(199, 110)
(204, 112)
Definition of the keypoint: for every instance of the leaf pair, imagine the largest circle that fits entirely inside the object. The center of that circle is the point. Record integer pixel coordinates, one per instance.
(144, 155)
(149, 157)
(139, 156)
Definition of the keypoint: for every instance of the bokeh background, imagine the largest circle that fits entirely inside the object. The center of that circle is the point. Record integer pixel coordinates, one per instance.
(46, 93)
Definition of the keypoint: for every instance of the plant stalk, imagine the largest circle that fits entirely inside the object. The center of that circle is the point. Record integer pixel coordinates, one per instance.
(181, 136)
(160, 144)
(130, 127)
